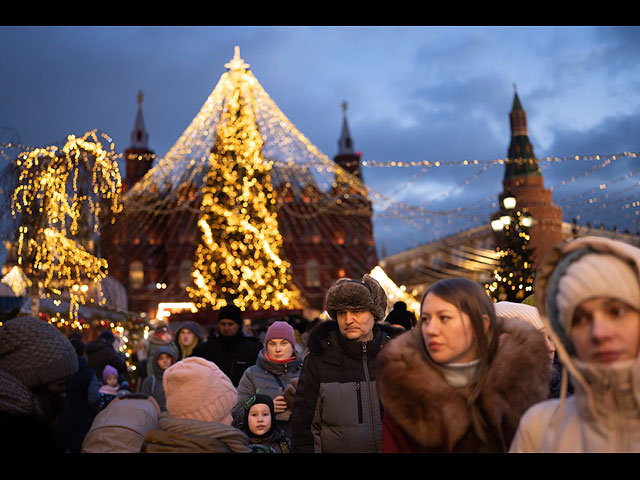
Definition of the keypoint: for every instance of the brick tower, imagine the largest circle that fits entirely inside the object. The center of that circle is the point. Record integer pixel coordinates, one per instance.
(523, 180)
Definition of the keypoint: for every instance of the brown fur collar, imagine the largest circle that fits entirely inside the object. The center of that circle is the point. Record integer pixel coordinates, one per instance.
(435, 414)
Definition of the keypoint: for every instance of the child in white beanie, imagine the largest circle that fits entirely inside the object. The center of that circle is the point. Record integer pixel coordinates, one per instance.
(198, 418)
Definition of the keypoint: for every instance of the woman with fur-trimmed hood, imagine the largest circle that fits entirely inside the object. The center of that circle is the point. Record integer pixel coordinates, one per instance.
(336, 407)
(588, 294)
(461, 380)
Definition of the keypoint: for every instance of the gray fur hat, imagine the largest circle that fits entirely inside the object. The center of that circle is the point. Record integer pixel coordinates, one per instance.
(35, 352)
(348, 294)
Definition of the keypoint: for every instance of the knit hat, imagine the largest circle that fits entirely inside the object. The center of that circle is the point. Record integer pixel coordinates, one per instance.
(230, 312)
(585, 274)
(528, 313)
(400, 316)
(35, 352)
(281, 330)
(108, 370)
(257, 399)
(348, 294)
(107, 336)
(197, 389)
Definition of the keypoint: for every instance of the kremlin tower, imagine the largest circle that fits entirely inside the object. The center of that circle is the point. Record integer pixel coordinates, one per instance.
(523, 180)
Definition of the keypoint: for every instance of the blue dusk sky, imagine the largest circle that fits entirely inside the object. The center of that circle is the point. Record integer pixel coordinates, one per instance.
(414, 94)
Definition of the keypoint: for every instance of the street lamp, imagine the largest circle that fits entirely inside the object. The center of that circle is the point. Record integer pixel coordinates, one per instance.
(509, 202)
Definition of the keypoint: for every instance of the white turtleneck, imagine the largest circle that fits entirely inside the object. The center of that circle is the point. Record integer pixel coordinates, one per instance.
(460, 374)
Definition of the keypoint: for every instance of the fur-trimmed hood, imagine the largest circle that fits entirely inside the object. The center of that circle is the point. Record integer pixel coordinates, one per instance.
(435, 414)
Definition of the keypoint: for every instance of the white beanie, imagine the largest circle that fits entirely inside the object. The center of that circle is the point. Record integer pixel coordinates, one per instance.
(197, 389)
(595, 275)
(507, 310)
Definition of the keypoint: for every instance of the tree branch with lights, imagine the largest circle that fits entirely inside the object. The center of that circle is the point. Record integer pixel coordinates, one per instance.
(59, 202)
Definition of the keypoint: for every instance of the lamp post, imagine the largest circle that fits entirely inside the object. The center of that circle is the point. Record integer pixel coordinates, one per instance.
(513, 277)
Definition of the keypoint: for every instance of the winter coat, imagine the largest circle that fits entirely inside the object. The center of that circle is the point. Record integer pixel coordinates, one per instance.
(270, 378)
(74, 422)
(603, 414)
(233, 355)
(100, 352)
(22, 425)
(152, 384)
(154, 344)
(336, 406)
(184, 435)
(423, 413)
(276, 442)
(122, 426)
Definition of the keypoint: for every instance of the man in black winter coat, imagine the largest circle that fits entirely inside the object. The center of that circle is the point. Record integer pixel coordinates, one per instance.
(336, 407)
(231, 350)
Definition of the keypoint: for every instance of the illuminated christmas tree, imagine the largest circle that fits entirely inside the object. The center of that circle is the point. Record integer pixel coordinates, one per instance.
(513, 278)
(238, 256)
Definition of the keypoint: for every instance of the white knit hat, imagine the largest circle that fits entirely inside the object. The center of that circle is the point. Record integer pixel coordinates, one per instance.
(595, 275)
(197, 389)
(507, 310)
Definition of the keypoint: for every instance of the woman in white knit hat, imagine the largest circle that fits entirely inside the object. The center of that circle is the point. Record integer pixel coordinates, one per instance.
(198, 418)
(588, 294)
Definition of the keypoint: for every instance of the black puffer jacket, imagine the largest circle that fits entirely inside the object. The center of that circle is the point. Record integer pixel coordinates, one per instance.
(336, 407)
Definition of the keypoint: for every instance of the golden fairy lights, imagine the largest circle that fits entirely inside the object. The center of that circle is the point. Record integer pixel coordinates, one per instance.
(59, 201)
(237, 259)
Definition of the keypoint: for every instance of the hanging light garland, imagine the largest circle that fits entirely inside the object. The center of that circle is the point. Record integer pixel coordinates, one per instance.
(59, 202)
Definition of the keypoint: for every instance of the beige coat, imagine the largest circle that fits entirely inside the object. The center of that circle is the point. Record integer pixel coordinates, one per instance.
(603, 415)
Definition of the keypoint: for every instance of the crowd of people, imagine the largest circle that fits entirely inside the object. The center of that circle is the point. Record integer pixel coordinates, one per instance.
(559, 372)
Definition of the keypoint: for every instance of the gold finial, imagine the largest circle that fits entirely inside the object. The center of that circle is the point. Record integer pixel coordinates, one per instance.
(344, 107)
(140, 97)
(236, 62)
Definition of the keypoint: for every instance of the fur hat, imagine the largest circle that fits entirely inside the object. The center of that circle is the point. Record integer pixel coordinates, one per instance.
(197, 389)
(230, 312)
(348, 294)
(35, 352)
(280, 330)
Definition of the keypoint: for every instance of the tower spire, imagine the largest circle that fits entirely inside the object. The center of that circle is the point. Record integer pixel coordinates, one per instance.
(521, 160)
(139, 135)
(345, 142)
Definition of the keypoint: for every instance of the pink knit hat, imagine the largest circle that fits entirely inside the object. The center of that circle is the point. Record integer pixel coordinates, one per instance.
(280, 330)
(197, 389)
